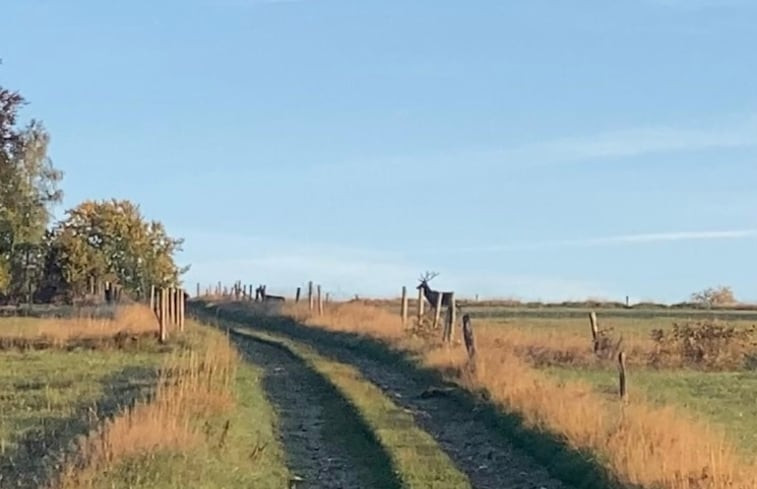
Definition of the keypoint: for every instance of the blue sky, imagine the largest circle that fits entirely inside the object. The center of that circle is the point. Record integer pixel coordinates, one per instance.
(541, 150)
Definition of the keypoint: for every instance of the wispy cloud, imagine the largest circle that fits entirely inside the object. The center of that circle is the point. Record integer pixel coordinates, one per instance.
(625, 239)
(636, 142)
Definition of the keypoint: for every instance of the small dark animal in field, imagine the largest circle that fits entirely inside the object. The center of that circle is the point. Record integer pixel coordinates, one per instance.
(261, 296)
(433, 295)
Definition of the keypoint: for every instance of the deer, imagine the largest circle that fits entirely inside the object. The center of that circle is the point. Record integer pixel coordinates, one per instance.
(263, 297)
(433, 295)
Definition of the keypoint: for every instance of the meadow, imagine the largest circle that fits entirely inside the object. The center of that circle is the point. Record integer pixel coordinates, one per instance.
(82, 410)
(689, 420)
(271, 396)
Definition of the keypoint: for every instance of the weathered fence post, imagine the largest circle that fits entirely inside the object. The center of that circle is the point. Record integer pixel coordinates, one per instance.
(438, 310)
(594, 330)
(420, 305)
(182, 307)
(163, 314)
(198, 289)
(622, 375)
(452, 312)
(310, 295)
(320, 302)
(468, 338)
(297, 296)
(403, 311)
(152, 299)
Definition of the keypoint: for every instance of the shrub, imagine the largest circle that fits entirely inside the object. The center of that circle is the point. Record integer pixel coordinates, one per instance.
(703, 344)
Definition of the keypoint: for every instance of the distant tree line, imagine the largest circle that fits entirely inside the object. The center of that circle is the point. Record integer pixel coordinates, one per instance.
(46, 261)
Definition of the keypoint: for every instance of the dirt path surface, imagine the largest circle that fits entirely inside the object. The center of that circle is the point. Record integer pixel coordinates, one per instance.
(486, 458)
(306, 411)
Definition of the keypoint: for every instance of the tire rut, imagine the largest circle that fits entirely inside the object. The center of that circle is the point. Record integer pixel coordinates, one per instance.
(312, 424)
(488, 460)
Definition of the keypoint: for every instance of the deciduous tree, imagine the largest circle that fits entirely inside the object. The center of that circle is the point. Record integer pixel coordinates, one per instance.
(111, 240)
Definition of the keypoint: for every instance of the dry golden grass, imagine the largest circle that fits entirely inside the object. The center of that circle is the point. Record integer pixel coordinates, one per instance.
(192, 384)
(641, 443)
(132, 319)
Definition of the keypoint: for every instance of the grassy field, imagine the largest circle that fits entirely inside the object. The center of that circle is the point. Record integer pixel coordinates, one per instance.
(145, 415)
(50, 397)
(724, 398)
(538, 367)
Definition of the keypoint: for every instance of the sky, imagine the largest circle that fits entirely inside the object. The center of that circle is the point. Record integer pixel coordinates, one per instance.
(538, 150)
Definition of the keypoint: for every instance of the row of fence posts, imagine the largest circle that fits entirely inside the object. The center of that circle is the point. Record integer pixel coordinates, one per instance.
(315, 296)
(450, 319)
(469, 339)
(596, 347)
(169, 306)
(315, 299)
(110, 292)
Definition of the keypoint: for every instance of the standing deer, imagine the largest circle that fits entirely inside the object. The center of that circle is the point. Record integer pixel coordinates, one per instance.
(433, 295)
(263, 297)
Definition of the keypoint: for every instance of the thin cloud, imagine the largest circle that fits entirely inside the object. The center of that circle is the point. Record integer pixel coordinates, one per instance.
(636, 142)
(626, 239)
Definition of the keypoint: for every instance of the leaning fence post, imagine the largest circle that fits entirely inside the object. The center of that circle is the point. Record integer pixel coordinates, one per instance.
(404, 307)
(297, 296)
(468, 338)
(594, 330)
(438, 310)
(622, 375)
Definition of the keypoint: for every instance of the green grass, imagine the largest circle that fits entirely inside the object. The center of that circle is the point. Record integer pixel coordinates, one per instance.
(724, 398)
(416, 456)
(248, 456)
(49, 397)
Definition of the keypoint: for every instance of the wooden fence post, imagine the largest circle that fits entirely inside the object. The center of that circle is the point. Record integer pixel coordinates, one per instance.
(320, 302)
(163, 314)
(403, 311)
(198, 289)
(297, 296)
(420, 305)
(152, 299)
(438, 310)
(594, 330)
(310, 295)
(452, 311)
(182, 307)
(468, 338)
(622, 375)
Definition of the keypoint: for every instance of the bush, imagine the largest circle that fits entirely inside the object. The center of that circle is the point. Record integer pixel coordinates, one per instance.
(703, 344)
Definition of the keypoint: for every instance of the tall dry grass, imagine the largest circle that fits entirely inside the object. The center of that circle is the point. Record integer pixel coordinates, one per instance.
(192, 385)
(131, 319)
(641, 443)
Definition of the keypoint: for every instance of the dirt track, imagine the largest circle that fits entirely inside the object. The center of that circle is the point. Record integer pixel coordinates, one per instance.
(487, 460)
(307, 407)
(483, 456)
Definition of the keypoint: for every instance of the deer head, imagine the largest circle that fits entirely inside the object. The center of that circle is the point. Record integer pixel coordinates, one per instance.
(426, 278)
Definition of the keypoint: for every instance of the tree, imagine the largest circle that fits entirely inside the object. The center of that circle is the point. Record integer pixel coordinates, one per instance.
(28, 191)
(110, 240)
(714, 296)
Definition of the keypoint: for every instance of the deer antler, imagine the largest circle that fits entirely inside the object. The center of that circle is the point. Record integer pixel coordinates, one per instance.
(428, 276)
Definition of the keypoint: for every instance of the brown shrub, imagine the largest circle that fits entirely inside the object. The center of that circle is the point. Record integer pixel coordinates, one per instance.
(707, 344)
